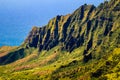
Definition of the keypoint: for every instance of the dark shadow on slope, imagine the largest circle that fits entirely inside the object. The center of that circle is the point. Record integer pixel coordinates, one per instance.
(12, 56)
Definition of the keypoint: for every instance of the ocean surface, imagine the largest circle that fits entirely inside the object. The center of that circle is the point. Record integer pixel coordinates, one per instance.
(13, 36)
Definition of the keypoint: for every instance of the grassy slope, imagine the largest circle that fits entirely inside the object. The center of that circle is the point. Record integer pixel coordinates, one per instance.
(5, 49)
(61, 65)
(56, 64)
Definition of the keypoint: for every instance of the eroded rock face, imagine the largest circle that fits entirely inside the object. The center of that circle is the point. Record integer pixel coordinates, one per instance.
(88, 26)
(62, 30)
(95, 29)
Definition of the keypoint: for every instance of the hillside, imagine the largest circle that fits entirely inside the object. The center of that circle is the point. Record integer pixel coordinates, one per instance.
(84, 45)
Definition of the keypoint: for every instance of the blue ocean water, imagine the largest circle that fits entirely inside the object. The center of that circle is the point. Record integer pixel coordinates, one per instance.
(13, 35)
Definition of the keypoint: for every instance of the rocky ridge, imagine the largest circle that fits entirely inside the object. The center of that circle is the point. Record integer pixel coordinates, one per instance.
(88, 26)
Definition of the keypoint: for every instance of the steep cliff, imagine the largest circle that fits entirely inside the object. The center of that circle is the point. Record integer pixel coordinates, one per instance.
(88, 26)
(84, 45)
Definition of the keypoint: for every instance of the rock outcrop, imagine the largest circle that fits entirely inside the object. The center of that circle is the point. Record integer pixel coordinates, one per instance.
(88, 26)
(97, 29)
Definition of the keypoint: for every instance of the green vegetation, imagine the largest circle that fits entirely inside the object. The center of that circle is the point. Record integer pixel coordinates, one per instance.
(62, 65)
(84, 45)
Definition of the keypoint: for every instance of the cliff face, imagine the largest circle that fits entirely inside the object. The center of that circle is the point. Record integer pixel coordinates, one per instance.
(84, 45)
(89, 26)
(97, 29)
(62, 30)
